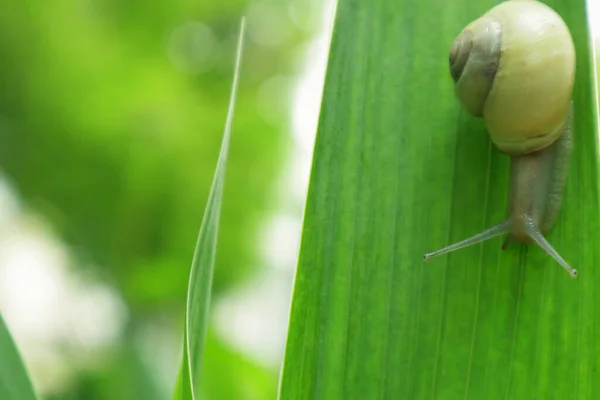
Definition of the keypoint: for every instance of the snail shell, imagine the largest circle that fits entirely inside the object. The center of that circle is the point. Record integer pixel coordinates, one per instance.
(515, 67)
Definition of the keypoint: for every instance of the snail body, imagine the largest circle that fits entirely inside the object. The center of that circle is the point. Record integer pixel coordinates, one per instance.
(515, 67)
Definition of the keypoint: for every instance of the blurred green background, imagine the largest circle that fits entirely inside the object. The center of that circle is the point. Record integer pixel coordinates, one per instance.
(111, 117)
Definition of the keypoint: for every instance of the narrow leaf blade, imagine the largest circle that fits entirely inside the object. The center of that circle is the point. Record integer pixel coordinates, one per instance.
(14, 380)
(201, 274)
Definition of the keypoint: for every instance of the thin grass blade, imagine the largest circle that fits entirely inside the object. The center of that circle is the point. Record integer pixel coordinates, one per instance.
(201, 274)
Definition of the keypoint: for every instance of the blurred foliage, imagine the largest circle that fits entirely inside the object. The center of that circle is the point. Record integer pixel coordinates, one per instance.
(232, 376)
(111, 116)
(14, 378)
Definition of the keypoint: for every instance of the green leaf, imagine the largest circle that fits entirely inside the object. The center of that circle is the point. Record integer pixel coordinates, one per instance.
(400, 169)
(14, 380)
(201, 274)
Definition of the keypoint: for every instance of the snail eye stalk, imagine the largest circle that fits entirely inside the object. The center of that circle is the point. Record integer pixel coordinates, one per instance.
(496, 230)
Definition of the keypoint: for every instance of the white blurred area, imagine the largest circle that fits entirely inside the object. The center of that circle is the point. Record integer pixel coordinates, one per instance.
(49, 308)
(54, 315)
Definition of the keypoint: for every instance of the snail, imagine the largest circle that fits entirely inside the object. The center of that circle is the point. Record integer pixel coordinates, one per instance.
(515, 67)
